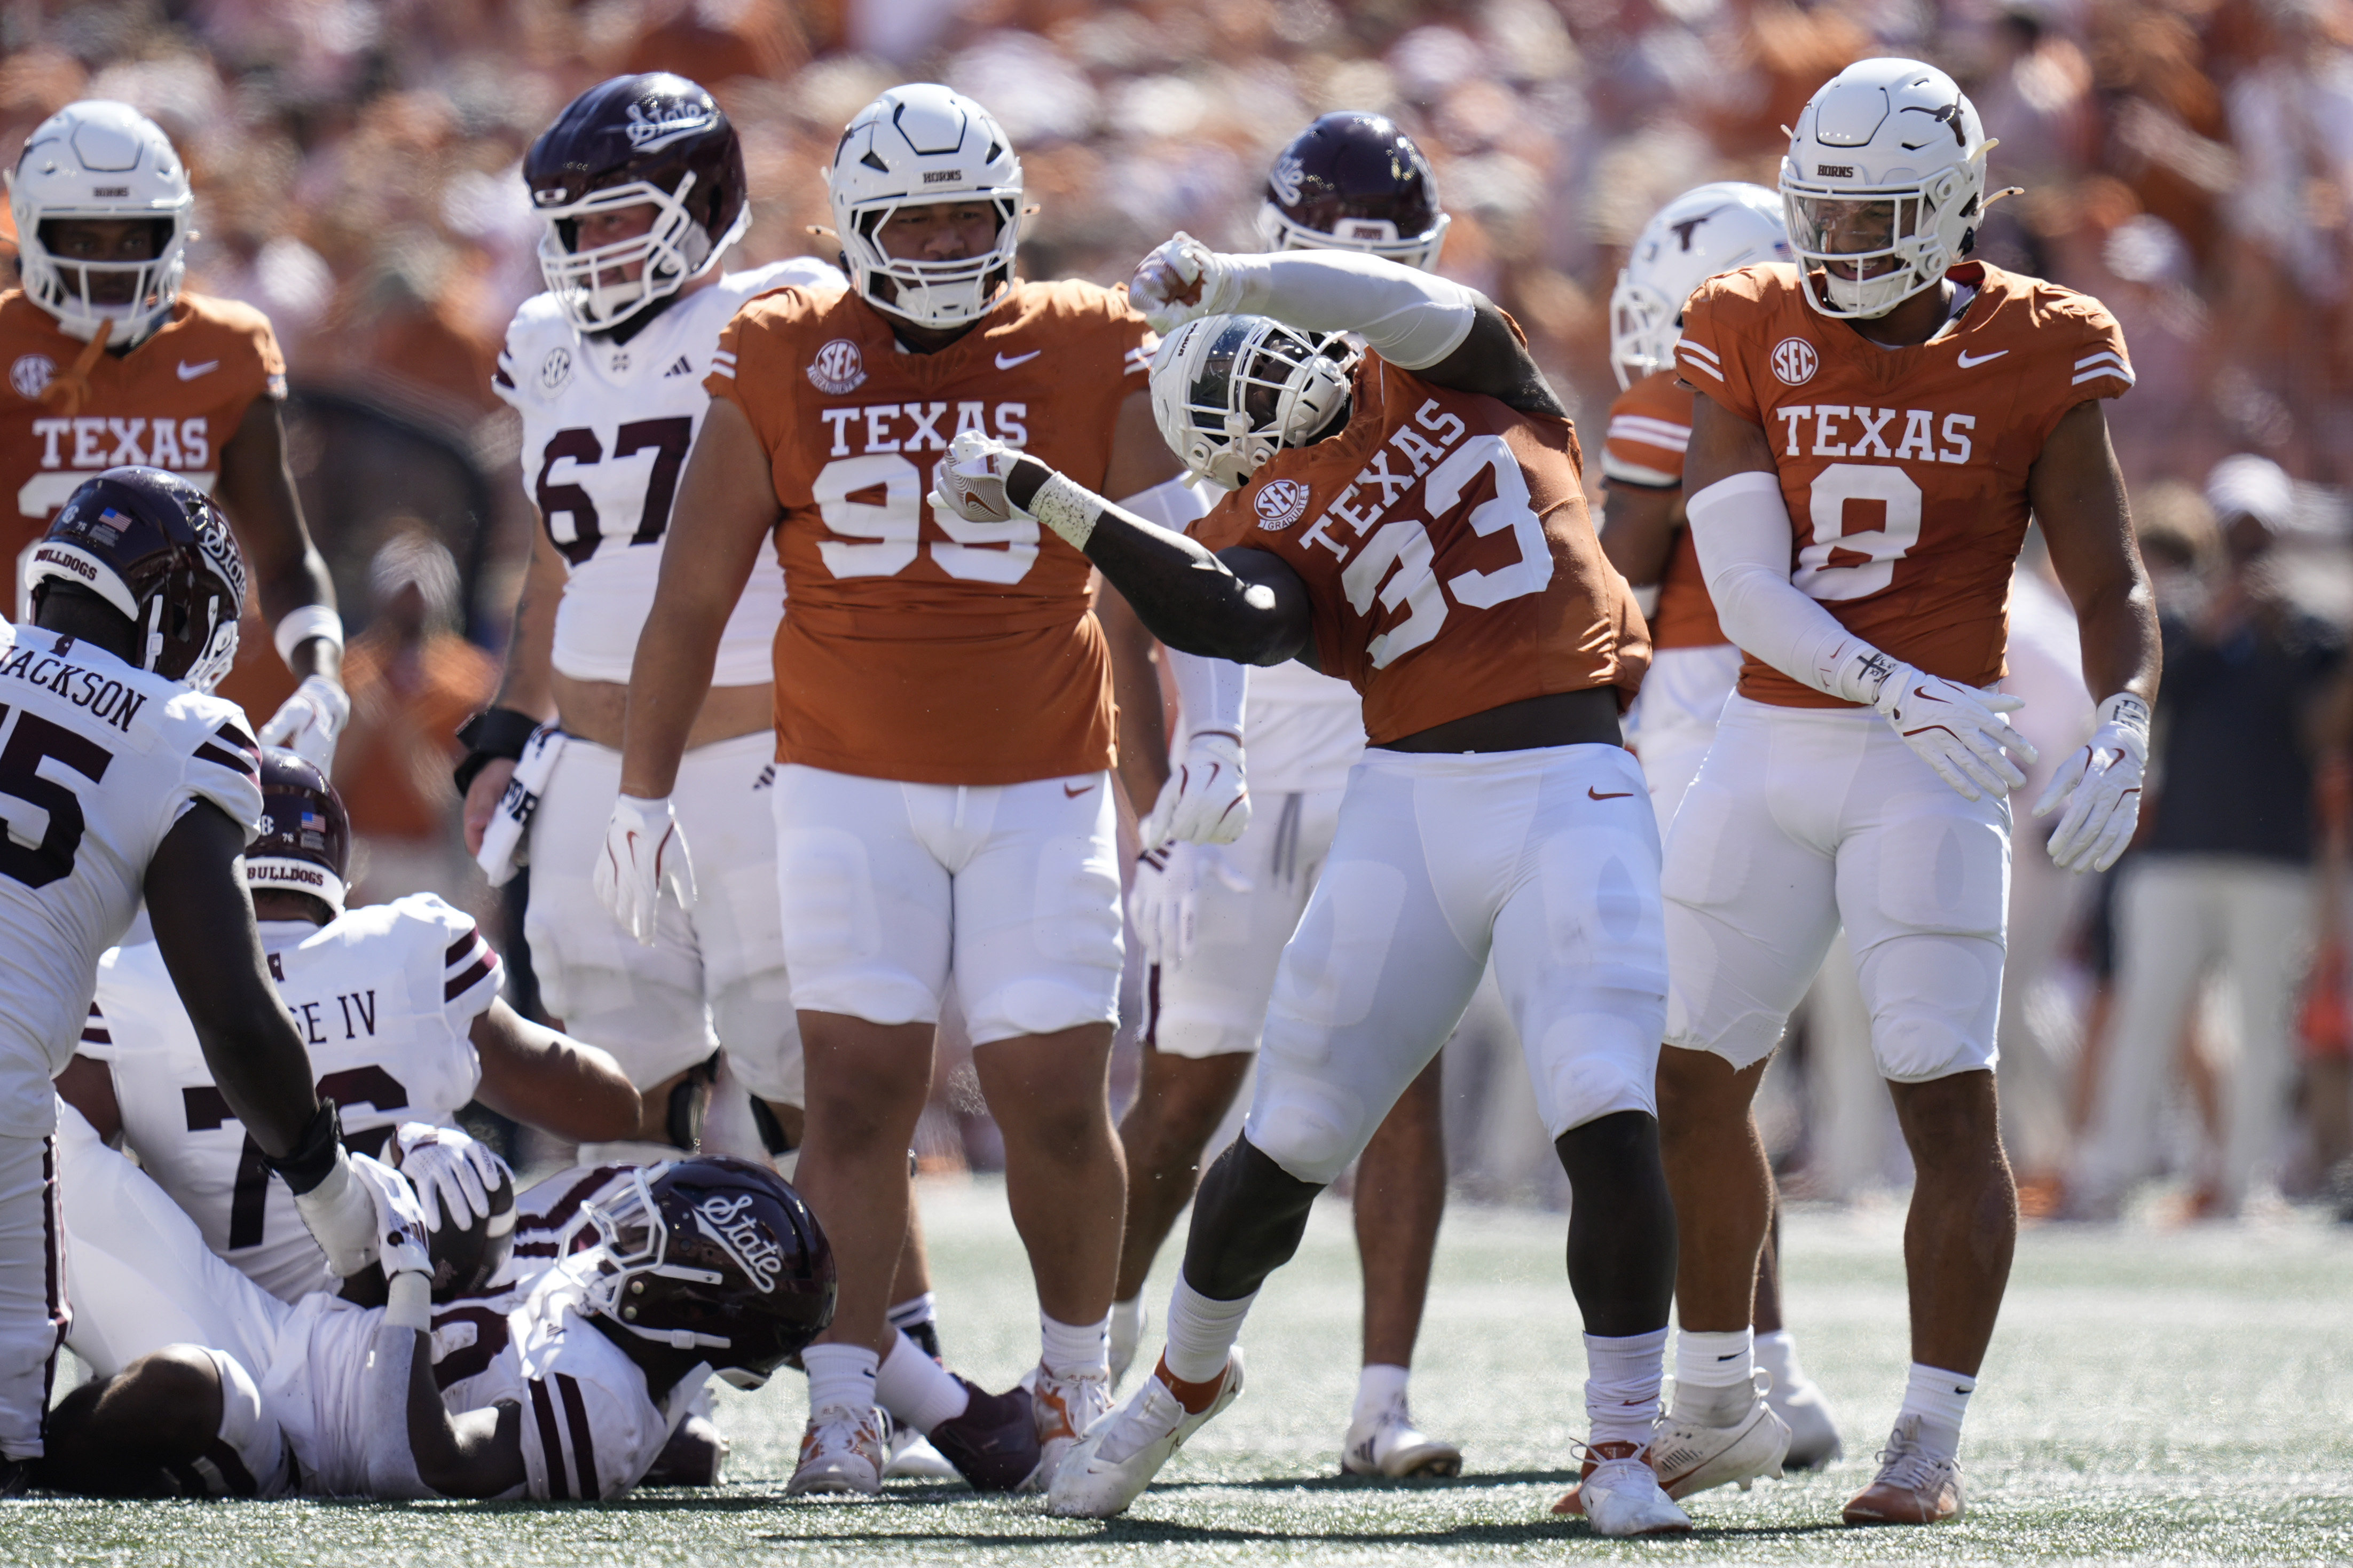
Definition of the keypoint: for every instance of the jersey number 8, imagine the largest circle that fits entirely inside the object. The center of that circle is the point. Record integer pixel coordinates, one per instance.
(1881, 547)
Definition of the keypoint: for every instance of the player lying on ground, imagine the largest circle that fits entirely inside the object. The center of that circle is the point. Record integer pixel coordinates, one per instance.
(144, 786)
(1417, 524)
(399, 1004)
(565, 1384)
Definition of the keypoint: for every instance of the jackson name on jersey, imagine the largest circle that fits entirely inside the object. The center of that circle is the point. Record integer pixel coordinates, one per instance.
(607, 428)
(173, 402)
(384, 997)
(1905, 469)
(97, 760)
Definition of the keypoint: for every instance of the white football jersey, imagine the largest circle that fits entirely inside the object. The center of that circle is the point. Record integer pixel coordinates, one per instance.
(384, 998)
(98, 761)
(606, 430)
(589, 1429)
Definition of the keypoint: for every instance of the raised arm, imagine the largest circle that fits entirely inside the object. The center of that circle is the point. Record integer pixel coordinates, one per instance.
(298, 597)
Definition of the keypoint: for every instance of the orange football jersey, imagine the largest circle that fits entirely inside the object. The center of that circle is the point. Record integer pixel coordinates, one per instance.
(1447, 551)
(920, 647)
(1905, 469)
(1650, 426)
(173, 402)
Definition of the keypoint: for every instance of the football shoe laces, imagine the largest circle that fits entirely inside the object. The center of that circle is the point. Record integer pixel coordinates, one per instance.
(2101, 786)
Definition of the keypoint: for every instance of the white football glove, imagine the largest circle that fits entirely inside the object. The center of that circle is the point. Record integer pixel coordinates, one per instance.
(400, 1225)
(970, 480)
(309, 723)
(2101, 786)
(644, 856)
(453, 1173)
(1205, 799)
(1183, 280)
(1957, 730)
(1165, 903)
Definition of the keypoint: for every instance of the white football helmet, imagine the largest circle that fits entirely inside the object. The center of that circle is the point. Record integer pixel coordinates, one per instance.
(1713, 228)
(1230, 392)
(1885, 174)
(101, 160)
(914, 145)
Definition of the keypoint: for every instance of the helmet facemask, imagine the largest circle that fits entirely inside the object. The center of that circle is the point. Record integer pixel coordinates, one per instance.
(1230, 392)
(929, 294)
(1876, 250)
(1644, 327)
(636, 1240)
(593, 286)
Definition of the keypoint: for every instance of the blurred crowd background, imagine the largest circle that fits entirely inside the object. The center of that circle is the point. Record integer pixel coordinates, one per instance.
(2190, 163)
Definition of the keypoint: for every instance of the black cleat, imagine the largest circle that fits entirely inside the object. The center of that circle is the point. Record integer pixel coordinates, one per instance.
(994, 1444)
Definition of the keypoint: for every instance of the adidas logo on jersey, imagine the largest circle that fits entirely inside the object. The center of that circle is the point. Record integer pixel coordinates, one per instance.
(683, 367)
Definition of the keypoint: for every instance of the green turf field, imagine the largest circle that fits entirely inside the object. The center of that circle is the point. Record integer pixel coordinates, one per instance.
(2153, 1395)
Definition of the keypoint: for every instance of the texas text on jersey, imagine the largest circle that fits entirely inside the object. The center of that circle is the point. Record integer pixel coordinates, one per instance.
(97, 760)
(172, 403)
(921, 646)
(1905, 519)
(385, 997)
(606, 427)
(1503, 593)
(1650, 427)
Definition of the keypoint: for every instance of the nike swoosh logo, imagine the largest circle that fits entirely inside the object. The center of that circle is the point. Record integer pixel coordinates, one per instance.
(1922, 692)
(1005, 362)
(190, 372)
(1597, 795)
(1965, 361)
(1067, 792)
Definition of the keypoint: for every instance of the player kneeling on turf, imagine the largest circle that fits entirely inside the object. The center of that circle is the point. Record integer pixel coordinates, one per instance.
(1412, 521)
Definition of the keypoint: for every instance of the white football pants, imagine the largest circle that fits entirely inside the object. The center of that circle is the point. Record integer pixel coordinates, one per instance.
(34, 1315)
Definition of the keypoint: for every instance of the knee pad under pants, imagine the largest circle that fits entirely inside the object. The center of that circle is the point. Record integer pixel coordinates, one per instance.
(889, 888)
(715, 975)
(1548, 857)
(1804, 818)
(1213, 1002)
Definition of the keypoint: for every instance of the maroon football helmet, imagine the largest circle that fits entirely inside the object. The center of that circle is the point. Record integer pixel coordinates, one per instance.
(655, 139)
(305, 844)
(157, 549)
(715, 1254)
(1353, 181)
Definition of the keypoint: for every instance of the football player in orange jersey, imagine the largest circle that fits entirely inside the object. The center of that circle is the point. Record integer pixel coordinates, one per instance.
(943, 717)
(1874, 427)
(111, 363)
(1213, 922)
(1713, 228)
(1415, 522)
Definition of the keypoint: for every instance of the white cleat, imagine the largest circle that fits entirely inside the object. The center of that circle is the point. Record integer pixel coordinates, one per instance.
(1064, 1407)
(1108, 1467)
(842, 1453)
(1622, 1496)
(912, 1458)
(1692, 1457)
(1391, 1445)
(1912, 1487)
(1814, 1442)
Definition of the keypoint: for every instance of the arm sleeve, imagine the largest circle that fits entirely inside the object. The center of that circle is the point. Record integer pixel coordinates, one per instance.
(1411, 319)
(1210, 693)
(1741, 527)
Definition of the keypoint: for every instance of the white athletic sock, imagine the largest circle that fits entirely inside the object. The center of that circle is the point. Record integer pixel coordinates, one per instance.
(1940, 1399)
(1072, 1350)
(1714, 1375)
(841, 1375)
(1201, 1332)
(1777, 1352)
(1126, 1328)
(917, 1391)
(1377, 1386)
(1622, 1386)
(914, 1310)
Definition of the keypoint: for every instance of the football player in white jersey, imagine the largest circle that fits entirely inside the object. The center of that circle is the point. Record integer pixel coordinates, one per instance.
(641, 183)
(1213, 921)
(122, 778)
(399, 1004)
(562, 1384)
